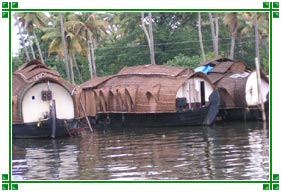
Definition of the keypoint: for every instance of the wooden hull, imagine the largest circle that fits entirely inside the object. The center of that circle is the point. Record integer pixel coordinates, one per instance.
(252, 113)
(44, 130)
(200, 116)
(187, 118)
(241, 114)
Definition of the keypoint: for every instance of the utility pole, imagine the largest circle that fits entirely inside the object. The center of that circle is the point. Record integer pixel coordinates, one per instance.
(260, 96)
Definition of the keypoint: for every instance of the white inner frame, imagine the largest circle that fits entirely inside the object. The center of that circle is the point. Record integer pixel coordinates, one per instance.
(33, 106)
(252, 90)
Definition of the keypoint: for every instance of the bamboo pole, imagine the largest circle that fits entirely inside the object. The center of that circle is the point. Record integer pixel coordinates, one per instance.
(189, 93)
(67, 128)
(260, 96)
(84, 111)
(54, 117)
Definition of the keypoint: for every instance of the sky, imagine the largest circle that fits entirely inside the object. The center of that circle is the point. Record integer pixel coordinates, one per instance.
(15, 42)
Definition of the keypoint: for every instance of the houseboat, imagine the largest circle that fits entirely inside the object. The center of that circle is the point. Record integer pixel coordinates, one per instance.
(150, 95)
(238, 88)
(42, 102)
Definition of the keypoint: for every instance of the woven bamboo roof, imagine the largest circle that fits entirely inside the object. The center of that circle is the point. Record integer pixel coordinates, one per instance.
(32, 69)
(28, 75)
(222, 67)
(137, 88)
(94, 82)
(235, 87)
(223, 76)
(215, 60)
(34, 72)
(155, 69)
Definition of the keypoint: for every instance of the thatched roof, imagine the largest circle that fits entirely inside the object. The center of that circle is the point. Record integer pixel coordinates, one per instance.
(34, 72)
(223, 76)
(215, 60)
(235, 87)
(28, 75)
(94, 82)
(138, 88)
(155, 69)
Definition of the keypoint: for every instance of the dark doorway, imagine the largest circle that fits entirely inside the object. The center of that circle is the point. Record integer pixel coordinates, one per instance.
(202, 92)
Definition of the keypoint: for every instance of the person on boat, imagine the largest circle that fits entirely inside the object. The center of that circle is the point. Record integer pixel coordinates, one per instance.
(45, 116)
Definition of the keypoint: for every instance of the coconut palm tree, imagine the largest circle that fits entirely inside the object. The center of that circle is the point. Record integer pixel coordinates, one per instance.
(21, 36)
(89, 27)
(65, 43)
(249, 23)
(114, 28)
(29, 20)
(257, 22)
(214, 24)
(200, 37)
(231, 20)
(149, 35)
(257, 40)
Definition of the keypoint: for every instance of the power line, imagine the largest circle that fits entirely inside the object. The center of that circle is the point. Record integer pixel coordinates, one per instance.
(159, 44)
(158, 52)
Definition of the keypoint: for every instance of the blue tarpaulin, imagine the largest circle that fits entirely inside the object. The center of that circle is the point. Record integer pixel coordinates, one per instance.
(205, 69)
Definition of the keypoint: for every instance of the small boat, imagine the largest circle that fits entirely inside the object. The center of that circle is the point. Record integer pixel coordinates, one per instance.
(150, 96)
(43, 105)
(237, 86)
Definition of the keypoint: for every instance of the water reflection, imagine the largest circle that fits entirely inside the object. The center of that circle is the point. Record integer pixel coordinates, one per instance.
(44, 159)
(228, 151)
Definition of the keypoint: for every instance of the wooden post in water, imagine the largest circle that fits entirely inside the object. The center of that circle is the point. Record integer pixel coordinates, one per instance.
(54, 118)
(84, 111)
(260, 97)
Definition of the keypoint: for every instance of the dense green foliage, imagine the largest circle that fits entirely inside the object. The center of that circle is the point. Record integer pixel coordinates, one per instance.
(118, 40)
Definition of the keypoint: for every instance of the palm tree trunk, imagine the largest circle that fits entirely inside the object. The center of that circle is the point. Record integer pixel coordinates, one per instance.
(22, 39)
(257, 39)
(64, 47)
(232, 47)
(31, 47)
(71, 69)
(233, 23)
(152, 54)
(93, 58)
(77, 68)
(90, 60)
(38, 46)
(23, 44)
(148, 37)
(217, 35)
(214, 33)
(200, 37)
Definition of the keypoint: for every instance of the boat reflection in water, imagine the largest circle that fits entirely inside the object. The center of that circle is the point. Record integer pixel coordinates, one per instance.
(228, 151)
(44, 159)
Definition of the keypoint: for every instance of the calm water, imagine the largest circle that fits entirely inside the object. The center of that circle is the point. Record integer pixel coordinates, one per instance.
(228, 151)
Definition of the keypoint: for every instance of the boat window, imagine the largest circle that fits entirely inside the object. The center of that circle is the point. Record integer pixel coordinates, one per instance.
(46, 95)
(181, 103)
(33, 97)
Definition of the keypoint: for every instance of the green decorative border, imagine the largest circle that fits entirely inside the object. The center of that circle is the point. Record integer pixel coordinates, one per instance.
(271, 184)
(7, 184)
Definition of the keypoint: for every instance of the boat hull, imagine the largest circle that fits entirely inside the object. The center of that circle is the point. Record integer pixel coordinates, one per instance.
(252, 113)
(241, 114)
(199, 116)
(44, 130)
(187, 118)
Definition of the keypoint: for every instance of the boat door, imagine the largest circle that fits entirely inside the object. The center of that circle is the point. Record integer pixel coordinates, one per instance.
(202, 93)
